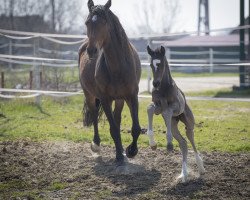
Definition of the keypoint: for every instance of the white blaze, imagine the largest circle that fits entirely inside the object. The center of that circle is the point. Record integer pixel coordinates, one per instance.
(94, 18)
(155, 62)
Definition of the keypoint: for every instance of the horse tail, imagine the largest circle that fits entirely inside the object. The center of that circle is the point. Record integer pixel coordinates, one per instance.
(90, 115)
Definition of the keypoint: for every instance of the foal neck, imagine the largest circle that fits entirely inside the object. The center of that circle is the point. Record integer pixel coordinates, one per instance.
(167, 79)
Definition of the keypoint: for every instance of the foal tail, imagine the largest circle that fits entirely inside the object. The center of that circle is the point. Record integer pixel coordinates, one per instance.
(90, 115)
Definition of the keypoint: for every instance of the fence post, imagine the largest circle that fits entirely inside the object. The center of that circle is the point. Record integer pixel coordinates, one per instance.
(41, 79)
(168, 54)
(211, 60)
(36, 69)
(31, 79)
(2, 79)
(10, 52)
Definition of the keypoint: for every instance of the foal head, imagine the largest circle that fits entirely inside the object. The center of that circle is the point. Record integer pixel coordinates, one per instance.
(97, 26)
(157, 63)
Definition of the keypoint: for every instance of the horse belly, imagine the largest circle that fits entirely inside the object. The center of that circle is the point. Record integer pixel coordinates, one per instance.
(87, 72)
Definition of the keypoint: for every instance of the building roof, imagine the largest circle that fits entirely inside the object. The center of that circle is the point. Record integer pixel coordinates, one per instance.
(205, 41)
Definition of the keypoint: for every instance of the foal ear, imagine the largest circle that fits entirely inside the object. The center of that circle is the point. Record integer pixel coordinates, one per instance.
(162, 51)
(150, 52)
(107, 5)
(90, 4)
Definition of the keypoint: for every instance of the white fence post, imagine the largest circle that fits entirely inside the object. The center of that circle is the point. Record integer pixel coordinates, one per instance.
(37, 71)
(211, 58)
(168, 53)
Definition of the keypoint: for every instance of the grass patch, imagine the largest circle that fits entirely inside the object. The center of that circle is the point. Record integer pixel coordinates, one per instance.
(221, 126)
(227, 93)
(57, 186)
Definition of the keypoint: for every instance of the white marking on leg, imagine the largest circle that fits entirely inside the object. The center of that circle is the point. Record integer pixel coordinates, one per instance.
(199, 163)
(184, 172)
(150, 134)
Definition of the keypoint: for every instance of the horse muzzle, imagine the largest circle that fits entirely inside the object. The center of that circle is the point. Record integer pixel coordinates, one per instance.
(156, 83)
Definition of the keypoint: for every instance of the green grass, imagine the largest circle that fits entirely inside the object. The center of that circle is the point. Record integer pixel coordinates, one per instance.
(227, 92)
(221, 126)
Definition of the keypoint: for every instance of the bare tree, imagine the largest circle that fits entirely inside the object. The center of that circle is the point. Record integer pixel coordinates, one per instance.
(156, 16)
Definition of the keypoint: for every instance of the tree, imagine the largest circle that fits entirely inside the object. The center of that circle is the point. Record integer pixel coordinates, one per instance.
(156, 16)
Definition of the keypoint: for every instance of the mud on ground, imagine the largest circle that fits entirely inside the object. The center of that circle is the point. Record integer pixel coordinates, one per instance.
(68, 170)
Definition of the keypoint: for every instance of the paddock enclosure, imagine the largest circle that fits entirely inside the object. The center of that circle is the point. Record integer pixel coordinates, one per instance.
(45, 150)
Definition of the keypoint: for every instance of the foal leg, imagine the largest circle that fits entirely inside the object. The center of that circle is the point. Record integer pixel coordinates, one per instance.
(150, 133)
(188, 119)
(183, 146)
(167, 115)
(132, 149)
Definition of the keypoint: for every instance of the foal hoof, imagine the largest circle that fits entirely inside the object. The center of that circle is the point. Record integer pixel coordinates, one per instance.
(95, 148)
(154, 147)
(131, 152)
(170, 147)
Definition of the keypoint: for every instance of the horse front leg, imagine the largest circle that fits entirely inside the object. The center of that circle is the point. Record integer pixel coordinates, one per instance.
(150, 132)
(114, 130)
(167, 115)
(132, 149)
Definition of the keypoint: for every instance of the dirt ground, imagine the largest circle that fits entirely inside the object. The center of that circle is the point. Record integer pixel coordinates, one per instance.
(68, 170)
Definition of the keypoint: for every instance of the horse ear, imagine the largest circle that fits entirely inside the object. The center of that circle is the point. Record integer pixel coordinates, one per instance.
(90, 4)
(150, 52)
(107, 5)
(162, 51)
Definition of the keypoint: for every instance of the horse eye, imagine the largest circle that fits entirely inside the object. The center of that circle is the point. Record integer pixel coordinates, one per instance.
(94, 18)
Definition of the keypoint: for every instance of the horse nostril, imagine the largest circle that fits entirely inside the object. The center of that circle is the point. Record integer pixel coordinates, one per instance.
(156, 84)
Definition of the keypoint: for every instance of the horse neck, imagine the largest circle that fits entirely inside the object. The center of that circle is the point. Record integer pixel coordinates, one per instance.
(167, 79)
(116, 54)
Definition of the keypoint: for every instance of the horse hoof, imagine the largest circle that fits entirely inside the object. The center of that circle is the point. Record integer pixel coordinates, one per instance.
(95, 148)
(183, 178)
(131, 152)
(154, 147)
(170, 147)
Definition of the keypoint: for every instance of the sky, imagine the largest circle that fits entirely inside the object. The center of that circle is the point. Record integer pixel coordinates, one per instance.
(223, 14)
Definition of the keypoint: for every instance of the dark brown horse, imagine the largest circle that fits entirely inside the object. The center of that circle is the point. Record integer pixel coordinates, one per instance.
(110, 71)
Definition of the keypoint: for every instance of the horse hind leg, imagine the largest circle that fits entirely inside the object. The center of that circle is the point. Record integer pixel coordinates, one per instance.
(184, 150)
(91, 111)
(188, 119)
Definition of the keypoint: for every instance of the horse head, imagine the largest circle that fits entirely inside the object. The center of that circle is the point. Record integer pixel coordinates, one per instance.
(157, 63)
(97, 26)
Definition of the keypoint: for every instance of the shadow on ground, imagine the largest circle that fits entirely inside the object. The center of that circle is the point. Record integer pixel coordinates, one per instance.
(130, 179)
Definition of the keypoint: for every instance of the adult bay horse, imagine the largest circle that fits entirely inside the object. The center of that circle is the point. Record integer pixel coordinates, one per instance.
(110, 70)
(170, 101)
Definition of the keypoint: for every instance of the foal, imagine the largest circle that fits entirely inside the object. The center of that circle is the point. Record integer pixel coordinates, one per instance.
(169, 101)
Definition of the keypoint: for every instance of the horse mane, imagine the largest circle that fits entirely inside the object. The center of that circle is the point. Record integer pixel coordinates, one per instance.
(119, 37)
